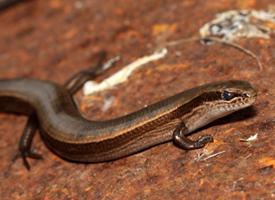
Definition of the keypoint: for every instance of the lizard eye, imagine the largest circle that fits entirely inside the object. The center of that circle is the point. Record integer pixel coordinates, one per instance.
(227, 95)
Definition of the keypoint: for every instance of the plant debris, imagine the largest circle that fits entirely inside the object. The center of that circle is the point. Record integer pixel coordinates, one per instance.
(234, 24)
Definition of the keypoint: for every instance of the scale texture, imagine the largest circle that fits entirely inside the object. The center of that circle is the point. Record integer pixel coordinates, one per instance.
(52, 40)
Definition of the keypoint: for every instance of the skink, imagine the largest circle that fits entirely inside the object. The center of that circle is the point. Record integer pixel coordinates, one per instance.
(66, 132)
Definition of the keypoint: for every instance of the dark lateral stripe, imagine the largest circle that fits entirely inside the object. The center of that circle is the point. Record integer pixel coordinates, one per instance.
(138, 131)
(204, 97)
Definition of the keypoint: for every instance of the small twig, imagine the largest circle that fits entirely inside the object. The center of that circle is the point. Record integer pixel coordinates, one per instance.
(203, 156)
(177, 42)
(213, 155)
(236, 46)
(246, 51)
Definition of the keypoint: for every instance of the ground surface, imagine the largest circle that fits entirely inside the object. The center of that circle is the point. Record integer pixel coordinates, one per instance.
(54, 39)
